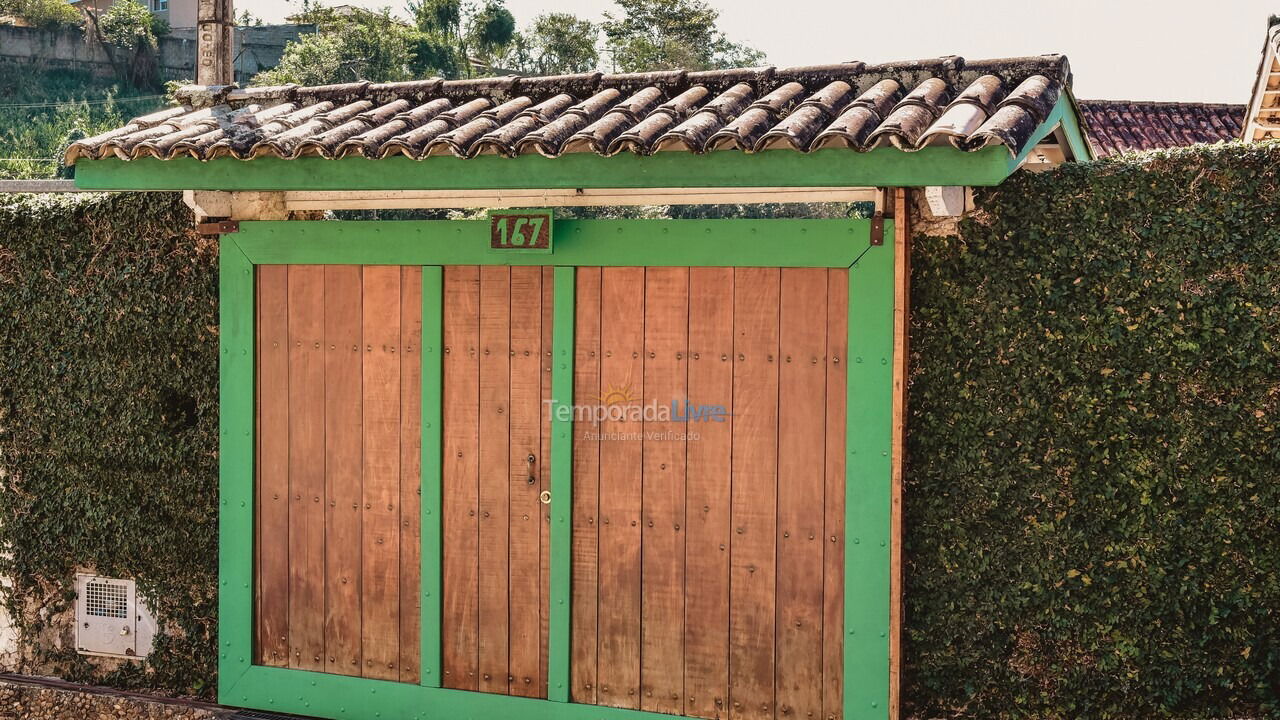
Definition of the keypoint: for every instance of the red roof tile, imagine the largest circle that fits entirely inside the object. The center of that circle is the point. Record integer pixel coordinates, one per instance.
(947, 101)
(1116, 126)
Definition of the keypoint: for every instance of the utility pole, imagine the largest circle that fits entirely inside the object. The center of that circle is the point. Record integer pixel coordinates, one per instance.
(214, 43)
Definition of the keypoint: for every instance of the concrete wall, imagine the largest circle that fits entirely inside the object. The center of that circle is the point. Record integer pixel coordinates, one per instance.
(257, 49)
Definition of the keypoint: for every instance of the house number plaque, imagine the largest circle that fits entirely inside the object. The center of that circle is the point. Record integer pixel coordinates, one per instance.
(529, 230)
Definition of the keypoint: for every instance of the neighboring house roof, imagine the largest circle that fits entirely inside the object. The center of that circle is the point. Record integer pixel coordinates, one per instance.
(946, 101)
(1263, 120)
(1116, 126)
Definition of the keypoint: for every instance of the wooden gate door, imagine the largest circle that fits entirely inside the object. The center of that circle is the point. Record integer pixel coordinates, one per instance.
(532, 484)
(339, 382)
(496, 393)
(709, 490)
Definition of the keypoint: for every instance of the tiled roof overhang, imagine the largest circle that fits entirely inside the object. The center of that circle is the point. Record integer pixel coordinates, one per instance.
(1116, 126)
(967, 106)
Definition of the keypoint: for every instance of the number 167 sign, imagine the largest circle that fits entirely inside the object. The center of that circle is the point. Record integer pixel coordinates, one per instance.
(528, 230)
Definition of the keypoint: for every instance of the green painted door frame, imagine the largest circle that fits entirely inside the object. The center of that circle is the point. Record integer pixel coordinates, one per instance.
(432, 244)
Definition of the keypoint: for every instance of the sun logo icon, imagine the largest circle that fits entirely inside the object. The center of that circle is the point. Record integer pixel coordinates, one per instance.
(618, 395)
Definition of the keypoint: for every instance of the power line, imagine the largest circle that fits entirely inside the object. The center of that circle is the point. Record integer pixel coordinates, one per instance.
(82, 102)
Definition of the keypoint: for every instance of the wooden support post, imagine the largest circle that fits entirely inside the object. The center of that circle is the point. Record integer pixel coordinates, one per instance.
(214, 42)
(901, 366)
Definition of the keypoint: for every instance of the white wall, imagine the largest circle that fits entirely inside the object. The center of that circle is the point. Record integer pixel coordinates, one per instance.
(8, 638)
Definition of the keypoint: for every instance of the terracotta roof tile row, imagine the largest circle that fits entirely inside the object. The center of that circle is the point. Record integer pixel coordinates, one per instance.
(1116, 126)
(967, 105)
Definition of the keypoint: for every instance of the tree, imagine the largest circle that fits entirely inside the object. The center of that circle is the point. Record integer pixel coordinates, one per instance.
(346, 47)
(490, 32)
(557, 43)
(127, 32)
(665, 34)
(248, 19)
(43, 14)
(455, 37)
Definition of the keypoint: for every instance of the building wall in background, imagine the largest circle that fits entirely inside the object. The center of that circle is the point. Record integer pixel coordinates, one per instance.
(256, 49)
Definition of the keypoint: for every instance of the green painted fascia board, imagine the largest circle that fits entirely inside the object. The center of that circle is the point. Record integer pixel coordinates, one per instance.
(605, 243)
(868, 483)
(832, 167)
(235, 466)
(1073, 128)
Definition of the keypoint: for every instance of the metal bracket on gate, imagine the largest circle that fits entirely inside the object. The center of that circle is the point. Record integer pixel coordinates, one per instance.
(218, 227)
(877, 228)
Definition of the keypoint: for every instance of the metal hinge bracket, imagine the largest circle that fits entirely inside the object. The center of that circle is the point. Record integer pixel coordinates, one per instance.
(218, 227)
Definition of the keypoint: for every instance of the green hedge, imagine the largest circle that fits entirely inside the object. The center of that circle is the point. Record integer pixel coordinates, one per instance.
(1093, 499)
(1093, 493)
(108, 421)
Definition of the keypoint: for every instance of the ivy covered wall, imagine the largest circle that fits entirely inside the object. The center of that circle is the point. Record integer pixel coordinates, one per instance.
(1092, 505)
(108, 426)
(1093, 490)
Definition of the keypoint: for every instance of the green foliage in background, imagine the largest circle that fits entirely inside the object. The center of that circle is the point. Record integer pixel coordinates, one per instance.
(42, 111)
(43, 14)
(455, 39)
(662, 34)
(1093, 485)
(108, 423)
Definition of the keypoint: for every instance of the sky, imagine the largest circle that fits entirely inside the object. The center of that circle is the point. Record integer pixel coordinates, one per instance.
(1191, 50)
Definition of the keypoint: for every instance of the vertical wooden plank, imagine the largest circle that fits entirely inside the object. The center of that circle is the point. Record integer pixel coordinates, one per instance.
(460, 476)
(801, 464)
(586, 485)
(901, 370)
(495, 389)
(272, 641)
(544, 476)
(622, 376)
(431, 566)
(561, 433)
(410, 471)
(306, 467)
(344, 466)
(706, 636)
(380, 561)
(525, 510)
(755, 457)
(833, 556)
(666, 337)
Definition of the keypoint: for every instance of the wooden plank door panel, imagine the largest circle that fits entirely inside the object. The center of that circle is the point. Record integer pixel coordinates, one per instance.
(801, 447)
(726, 601)
(583, 666)
(754, 494)
(621, 454)
(272, 579)
(495, 446)
(706, 659)
(306, 467)
(380, 579)
(666, 327)
(337, 491)
(525, 510)
(344, 466)
(461, 477)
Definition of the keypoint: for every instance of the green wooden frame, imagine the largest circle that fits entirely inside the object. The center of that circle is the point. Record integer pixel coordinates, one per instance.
(740, 243)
